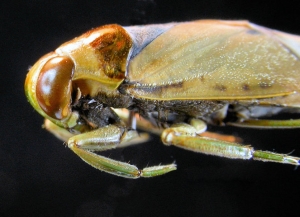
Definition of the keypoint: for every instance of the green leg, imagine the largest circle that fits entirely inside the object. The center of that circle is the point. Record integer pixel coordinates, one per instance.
(110, 137)
(185, 136)
(269, 124)
(57, 131)
(106, 138)
(119, 168)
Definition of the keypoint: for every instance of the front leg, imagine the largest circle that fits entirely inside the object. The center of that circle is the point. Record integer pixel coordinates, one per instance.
(110, 137)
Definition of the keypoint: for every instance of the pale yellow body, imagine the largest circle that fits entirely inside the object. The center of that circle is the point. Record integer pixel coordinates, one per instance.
(164, 72)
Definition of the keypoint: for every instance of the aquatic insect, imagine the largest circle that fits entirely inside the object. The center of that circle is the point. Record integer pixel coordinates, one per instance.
(170, 78)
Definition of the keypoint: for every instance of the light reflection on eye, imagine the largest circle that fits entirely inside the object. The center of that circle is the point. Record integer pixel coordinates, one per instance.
(47, 81)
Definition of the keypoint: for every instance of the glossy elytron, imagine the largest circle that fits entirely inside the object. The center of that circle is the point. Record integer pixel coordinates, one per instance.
(177, 78)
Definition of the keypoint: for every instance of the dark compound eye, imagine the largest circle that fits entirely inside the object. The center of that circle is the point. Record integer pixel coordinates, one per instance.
(54, 86)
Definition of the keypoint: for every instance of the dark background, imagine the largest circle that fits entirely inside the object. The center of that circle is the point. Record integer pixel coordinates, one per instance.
(39, 176)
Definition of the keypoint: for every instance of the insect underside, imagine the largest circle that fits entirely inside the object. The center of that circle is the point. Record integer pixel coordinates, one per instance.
(172, 80)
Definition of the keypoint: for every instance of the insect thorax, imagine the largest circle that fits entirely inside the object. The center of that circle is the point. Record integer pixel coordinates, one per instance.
(97, 110)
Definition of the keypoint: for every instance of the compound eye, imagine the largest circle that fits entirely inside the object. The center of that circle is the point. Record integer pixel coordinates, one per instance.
(54, 87)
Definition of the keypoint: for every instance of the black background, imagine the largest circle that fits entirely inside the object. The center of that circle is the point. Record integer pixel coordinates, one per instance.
(39, 176)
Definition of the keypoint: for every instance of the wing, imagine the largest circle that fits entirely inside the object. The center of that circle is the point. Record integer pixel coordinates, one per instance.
(216, 60)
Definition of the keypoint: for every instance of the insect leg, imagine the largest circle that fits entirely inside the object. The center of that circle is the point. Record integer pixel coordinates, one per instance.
(141, 123)
(228, 138)
(110, 137)
(146, 125)
(65, 135)
(281, 124)
(185, 136)
(57, 131)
